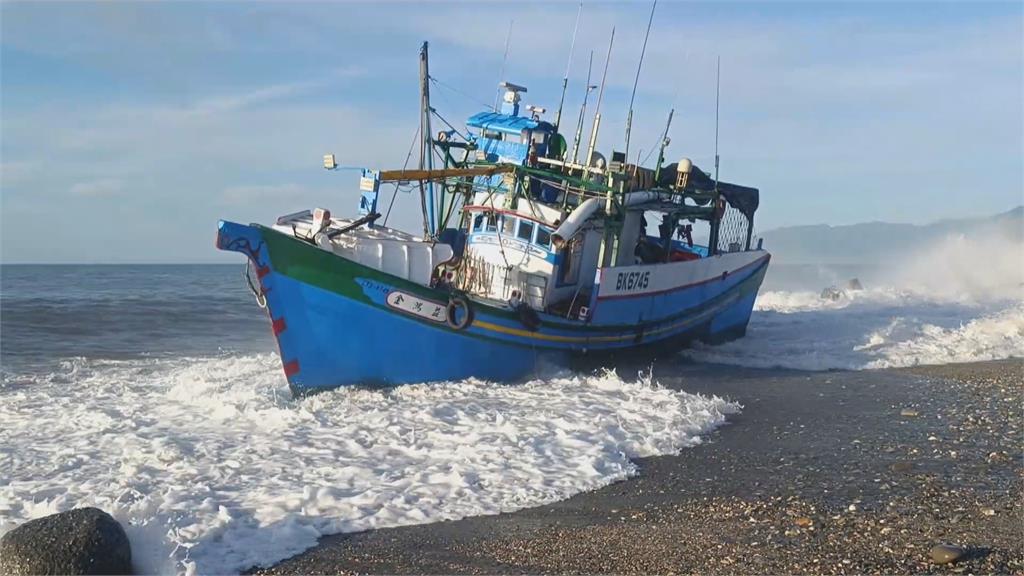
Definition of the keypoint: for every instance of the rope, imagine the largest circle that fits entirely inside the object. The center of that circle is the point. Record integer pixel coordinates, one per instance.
(261, 299)
(461, 93)
(404, 166)
(448, 124)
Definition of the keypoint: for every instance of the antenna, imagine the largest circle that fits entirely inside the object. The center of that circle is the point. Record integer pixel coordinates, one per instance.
(597, 110)
(565, 79)
(636, 80)
(718, 86)
(664, 144)
(501, 71)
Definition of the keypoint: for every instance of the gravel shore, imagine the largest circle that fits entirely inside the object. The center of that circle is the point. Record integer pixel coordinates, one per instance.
(825, 473)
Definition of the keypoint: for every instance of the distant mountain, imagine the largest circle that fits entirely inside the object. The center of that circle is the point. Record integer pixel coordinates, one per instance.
(872, 241)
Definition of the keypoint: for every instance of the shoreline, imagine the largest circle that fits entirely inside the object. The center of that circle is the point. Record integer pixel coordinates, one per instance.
(822, 472)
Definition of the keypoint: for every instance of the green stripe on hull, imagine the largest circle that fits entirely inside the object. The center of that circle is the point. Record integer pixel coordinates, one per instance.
(306, 263)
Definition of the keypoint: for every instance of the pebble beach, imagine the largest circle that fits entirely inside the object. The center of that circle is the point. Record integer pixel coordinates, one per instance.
(912, 470)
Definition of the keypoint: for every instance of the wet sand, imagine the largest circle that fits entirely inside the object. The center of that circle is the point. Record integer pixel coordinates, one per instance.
(829, 472)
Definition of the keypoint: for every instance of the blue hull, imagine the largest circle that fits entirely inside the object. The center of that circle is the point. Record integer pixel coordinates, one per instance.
(335, 325)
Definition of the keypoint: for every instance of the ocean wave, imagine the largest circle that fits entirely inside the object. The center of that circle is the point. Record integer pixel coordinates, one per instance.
(214, 468)
(877, 328)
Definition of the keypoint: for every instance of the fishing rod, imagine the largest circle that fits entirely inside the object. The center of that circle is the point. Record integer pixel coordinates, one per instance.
(597, 110)
(718, 90)
(568, 66)
(583, 110)
(636, 80)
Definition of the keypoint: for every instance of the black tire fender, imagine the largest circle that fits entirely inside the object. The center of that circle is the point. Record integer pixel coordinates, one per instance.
(528, 317)
(451, 312)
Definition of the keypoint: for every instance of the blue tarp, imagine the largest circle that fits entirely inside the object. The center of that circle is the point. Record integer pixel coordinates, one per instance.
(499, 122)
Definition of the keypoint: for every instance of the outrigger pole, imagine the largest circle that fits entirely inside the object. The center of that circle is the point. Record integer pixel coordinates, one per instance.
(636, 80)
(568, 66)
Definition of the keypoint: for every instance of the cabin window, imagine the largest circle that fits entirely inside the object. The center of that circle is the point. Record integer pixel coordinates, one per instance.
(571, 256)
(539, 137)
(508, 225)
(543, 237)
(478, 223)
(493, 135)
(525, 230)
(492, 222)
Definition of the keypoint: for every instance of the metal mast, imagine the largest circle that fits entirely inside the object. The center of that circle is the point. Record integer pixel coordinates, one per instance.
(426, 146)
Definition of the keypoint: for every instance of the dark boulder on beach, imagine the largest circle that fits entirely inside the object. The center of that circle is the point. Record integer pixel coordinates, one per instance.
(79, 541)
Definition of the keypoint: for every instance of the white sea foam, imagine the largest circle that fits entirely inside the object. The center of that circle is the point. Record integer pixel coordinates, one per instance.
(879, 328)
(213, 467)
(959, 300)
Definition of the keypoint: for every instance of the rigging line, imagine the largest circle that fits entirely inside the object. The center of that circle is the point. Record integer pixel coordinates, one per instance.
(664, 135)
(448, 124)
(459, 92)
(397, 184)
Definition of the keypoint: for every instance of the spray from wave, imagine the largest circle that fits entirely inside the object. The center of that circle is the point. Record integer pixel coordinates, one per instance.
(213, 468)
(960, 300)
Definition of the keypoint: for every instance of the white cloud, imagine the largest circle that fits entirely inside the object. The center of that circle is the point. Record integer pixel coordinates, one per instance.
(14, 172)
(97, 188)
(273, 92)
(262, 193)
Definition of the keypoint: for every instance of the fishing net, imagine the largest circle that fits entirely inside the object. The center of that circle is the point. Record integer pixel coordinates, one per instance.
(733, 230)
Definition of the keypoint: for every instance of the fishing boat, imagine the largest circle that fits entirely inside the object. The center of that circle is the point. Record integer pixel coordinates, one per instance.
(532, 250)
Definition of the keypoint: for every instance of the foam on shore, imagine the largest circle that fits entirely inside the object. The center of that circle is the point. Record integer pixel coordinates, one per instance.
(213, 468)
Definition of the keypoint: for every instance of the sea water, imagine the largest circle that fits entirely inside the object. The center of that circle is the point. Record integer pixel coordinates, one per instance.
(154, 392)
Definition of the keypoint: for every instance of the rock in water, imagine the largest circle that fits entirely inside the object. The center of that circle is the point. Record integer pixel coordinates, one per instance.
(832, 293)
(79, 541)
(945, 553)
(853, 285)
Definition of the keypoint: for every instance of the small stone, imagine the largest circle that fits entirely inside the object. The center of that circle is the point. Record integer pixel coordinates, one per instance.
(946, 553)
(803, 522)
(852, 508)
(988, 512)
(908, 413)
(902, 467)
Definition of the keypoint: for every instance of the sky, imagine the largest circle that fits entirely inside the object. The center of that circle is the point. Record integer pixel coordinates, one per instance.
(128, 129)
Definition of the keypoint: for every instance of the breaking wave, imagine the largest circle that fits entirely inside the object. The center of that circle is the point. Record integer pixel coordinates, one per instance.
(959, 300)
(881, 328)
(213, 468)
